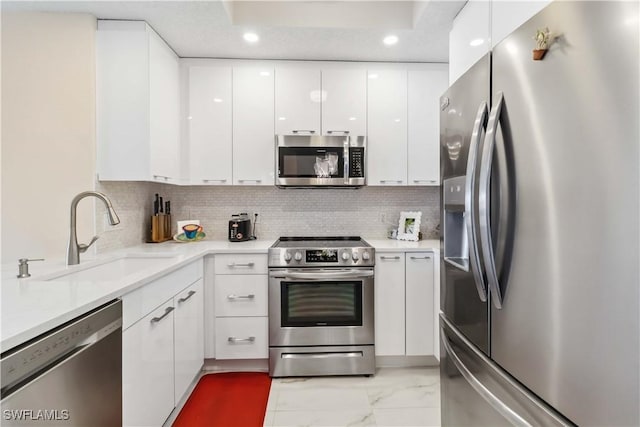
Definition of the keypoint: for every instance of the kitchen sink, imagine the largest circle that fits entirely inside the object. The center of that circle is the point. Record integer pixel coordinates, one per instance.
(111, 270)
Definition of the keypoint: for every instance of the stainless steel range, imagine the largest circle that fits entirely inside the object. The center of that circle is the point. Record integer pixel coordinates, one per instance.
(321, 307)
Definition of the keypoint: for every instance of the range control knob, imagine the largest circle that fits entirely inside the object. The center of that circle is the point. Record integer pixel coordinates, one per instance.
(345, 256)
(366, 256)
(355, 256)
(287, 256)
(298, 256)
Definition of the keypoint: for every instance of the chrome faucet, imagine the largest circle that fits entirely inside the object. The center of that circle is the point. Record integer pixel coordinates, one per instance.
(74, 249)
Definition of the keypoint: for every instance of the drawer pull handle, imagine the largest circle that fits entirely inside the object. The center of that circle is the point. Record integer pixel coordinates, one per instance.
(296, 131)
(233, 265)
(161, 177)
(385, 181)
(235, 297)
(189, 295)
(390, 257)
(430, 181)
(242, 181)
(234, 340)
(420, 257)
(166, 313)
(346, 132)
(215, 180)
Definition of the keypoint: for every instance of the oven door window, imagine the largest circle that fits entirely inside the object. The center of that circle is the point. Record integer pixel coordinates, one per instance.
(311, 162)
(321, 303)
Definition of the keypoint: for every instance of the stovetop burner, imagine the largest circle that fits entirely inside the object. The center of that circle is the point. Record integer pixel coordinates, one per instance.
(320, 242)
(321, 251)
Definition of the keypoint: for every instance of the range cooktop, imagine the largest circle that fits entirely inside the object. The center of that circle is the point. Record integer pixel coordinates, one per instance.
(321, 251)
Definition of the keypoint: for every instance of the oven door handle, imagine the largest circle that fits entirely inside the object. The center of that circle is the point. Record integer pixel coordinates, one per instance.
(322, 274)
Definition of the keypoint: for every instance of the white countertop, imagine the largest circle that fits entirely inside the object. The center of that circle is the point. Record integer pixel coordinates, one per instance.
(33, 306)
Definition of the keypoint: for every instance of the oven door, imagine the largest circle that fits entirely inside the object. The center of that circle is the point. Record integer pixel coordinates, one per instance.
(321, 307)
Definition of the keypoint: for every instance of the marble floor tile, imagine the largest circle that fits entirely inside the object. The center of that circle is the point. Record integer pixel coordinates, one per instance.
(393, 397)
(362, 417)
(407, 417)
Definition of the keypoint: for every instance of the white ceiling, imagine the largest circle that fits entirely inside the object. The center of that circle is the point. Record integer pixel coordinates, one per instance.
(293, 30)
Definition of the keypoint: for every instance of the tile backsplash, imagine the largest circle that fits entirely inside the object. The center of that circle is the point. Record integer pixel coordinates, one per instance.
(369, 211)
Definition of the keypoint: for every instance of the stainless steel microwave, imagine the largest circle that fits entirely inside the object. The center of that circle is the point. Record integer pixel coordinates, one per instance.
(320, 161)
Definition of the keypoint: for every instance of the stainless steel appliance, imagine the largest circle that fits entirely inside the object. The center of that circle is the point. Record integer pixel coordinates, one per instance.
(540, 278)
(320, 161)
(70, 376)
(321, 307)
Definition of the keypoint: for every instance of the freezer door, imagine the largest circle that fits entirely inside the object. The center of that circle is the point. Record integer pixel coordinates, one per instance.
(463, 294)
(476, 392)
(568, 326)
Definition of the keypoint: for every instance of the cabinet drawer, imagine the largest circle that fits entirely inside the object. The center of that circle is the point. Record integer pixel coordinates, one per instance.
(241, 264)
(242, 338)
(241, 295)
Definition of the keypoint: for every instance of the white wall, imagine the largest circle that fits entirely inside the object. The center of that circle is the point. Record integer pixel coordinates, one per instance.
(48, 130)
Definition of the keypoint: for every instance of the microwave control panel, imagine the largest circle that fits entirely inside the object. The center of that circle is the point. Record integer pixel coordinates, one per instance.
(356, 162)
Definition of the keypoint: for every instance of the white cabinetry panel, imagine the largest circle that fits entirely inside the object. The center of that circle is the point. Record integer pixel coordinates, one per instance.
(241, 295)
(419, 304)
(253, 128)
(242, 338)
(210, 125)
(189, 337)
(469, 38)
(387, 127)
(389, 304)
(423, 157)
(344, 108)
(298, 98)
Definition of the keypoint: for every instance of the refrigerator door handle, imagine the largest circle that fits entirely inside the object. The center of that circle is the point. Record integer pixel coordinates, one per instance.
(480, 388)
(484, 202)
(469, 200)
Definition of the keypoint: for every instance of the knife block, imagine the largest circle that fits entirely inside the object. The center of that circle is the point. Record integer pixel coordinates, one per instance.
(160, 228)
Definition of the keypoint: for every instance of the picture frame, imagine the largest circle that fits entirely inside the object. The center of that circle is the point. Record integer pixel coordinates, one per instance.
(409, 226)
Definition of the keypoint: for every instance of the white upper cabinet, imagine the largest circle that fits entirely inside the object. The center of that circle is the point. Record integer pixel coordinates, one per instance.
(344, 105)
(481, 25)
(253, 126)
(469, 39)
(138, 102)
(387, 127)
(506, 16)
(425, 89)
(298, 100)
(210, 125)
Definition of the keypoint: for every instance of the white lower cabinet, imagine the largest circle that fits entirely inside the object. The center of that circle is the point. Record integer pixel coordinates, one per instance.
(147, 369)
(404, 304)
(241, 310)
(162, 347)
(188, 337)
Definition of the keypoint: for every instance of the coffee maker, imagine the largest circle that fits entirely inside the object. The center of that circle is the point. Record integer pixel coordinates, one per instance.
(240, 228)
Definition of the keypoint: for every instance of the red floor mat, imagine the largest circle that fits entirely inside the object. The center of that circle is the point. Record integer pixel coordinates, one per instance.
(234, 399)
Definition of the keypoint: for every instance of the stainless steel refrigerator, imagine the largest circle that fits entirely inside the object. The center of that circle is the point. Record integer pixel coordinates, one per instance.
(540, 217)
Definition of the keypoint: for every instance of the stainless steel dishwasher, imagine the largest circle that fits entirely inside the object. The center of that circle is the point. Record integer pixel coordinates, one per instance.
(69, 376)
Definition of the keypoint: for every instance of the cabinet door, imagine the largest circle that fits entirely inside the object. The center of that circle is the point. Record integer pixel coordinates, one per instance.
(147, 369)
(469, 37)
(387, 127)
(389, 304)
(506, 16)
(344, 109)
(188, 336)
(298, 100)
(419, 304)
(425, 89)
(209, 118)
(164, 110)
(253, 131)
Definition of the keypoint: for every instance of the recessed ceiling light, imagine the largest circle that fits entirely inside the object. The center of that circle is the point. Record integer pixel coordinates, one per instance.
(251, 37)
(282, 118)
(265, 73)
(217, 100)
(352, 118)
(390, 40)
(373, 76)
(476, 42)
